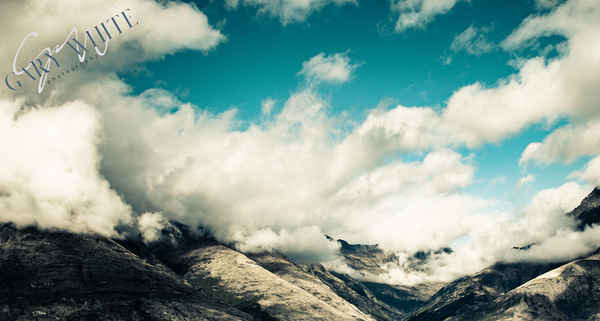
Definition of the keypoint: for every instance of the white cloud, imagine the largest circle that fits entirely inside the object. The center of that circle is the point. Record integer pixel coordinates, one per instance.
(572, 81)
(313, 179)
(340, 180)
(590, 173)
(49, 173)
(290, 11)
(81, 163)
(565, 144)
(543, 90)
(158, 33)
(484, 239)
(335, 68)
(526, 180)
(52, 177)
(473, 41)
(150, 226)
(418, 13)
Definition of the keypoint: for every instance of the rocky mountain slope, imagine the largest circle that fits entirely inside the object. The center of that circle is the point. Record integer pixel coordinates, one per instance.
(52, 275)
(63, 276)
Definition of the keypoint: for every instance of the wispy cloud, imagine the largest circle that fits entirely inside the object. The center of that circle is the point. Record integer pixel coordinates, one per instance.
(414, 14)
(472, 41)
(288, 11)
(335, 68)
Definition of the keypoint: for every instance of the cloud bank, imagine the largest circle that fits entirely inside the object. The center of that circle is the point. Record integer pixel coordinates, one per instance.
(76, 160)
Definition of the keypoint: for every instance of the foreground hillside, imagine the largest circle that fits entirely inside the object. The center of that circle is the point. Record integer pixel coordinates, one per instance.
(64, 276)
(50, 275)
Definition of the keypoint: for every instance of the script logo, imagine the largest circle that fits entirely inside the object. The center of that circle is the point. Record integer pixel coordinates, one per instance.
(104, 31)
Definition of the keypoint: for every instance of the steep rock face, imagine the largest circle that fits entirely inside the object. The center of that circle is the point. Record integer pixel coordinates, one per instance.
(304, 279)
(465, 297)
(278, 298)
(64, 276)
(588, 212)
(365, 259)
(569, 292)
(382, 301)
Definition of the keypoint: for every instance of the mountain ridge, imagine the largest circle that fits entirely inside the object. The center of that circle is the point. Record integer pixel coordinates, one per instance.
(187, 275)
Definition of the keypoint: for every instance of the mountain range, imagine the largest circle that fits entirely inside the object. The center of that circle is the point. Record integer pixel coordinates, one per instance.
(185, 275)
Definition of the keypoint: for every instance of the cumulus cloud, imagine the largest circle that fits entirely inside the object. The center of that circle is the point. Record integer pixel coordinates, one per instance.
(335, 68)
(545, 224)
(590, 173)
(49, 173)
(490, 238)
(473, 41)
(297, 149)
(418, 13)
(574, 84)
(314, 177)
(289, 11)
(565, 144)
(156, 31)
(81, 163)
(542, 91)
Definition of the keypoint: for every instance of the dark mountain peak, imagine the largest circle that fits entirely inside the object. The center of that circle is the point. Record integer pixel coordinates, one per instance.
(593, 197)
(588, 212)
(359, 249)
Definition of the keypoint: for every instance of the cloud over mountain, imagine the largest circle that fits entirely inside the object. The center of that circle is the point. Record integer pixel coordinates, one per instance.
(93, 154)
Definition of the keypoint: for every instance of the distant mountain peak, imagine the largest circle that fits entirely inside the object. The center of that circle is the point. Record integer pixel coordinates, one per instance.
(588, 212)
